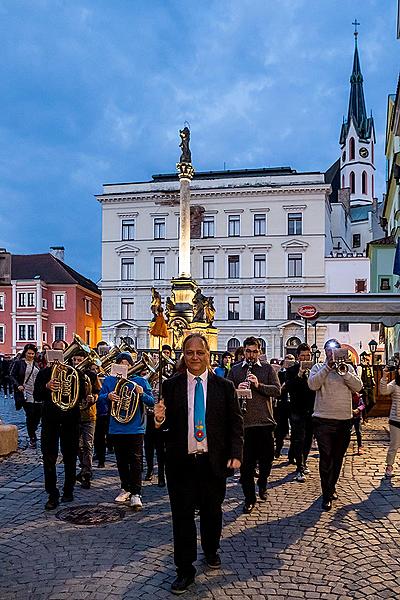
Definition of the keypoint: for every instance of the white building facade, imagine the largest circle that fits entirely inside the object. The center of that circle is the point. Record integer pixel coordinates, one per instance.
(261, 236)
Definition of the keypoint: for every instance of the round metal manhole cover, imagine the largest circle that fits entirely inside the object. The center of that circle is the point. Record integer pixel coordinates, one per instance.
(91, 514)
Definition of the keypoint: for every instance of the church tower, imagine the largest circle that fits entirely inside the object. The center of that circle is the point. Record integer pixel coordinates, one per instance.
(357, 141)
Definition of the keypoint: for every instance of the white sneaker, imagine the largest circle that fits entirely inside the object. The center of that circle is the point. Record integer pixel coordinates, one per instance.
(300, 477)
(123, 496)
(306, 470)
(136, 502)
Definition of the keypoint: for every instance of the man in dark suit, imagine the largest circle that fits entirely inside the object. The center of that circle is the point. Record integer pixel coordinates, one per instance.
(204, 441)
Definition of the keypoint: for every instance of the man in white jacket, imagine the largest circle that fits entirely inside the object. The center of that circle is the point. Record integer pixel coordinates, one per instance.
(332, 418)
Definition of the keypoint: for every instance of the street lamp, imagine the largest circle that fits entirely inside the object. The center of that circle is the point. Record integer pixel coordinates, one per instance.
(373, 344)
(317, 354)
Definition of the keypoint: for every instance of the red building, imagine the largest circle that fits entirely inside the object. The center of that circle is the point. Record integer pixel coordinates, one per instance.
(42, 299)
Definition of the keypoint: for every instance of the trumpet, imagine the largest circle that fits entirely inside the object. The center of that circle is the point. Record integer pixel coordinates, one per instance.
(340, 356)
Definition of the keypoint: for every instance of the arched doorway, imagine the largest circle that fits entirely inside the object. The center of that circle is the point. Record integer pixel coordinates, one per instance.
(232, 344)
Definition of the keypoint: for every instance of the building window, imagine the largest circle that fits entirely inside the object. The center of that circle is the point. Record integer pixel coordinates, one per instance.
(343, 327)
(88, 337)
(208, 227)
(232, 344)
(384, 284)
(356, 240)
(1, 334)
(233, 225)
(128, 229)
(59, 301)
(127, 305)
(295, 265)
(59, 333)
(31, 332)
(22, 332)
(360, 285)
(259, 309)
(1, 301)
(159, 267)
(44, 336)
(375, 327)
(88, 306)
(364, 183)
(21, 300)
(259, 265)
(159, 228)
(233, 309)
(127, 268)
(44, 303)
(233, 267)
(352, 149)
(260, 225)
(208, 267)
(352, 183)
(295, 223)
(31, 299)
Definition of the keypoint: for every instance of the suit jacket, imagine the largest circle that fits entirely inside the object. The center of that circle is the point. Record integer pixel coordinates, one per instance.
(224, 422)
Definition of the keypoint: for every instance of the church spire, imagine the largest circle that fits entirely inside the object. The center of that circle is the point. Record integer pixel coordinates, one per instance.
(357, 111)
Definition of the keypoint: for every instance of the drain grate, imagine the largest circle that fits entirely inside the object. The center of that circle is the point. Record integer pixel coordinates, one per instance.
(91, 514)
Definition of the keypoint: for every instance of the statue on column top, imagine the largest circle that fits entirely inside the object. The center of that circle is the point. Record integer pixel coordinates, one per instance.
(186, 156)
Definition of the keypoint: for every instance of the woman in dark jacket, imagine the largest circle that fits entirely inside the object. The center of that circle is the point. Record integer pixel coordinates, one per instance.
(23, 375)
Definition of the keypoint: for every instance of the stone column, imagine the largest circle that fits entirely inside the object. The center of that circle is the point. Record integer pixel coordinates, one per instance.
(186, 173)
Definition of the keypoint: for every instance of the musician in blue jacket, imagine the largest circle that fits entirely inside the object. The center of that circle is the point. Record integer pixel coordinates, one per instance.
(128, 437)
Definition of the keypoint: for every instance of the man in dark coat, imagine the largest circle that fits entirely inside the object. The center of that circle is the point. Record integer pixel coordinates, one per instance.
(204, 441)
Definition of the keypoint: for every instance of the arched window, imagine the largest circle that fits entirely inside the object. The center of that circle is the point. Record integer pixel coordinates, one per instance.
(232, 344)
(342, 181)
(263, 346)
(292, 343)
(352, 149)
(364, 183)
(352, 183)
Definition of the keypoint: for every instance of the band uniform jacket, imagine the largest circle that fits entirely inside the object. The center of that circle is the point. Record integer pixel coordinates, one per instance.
(224, 421)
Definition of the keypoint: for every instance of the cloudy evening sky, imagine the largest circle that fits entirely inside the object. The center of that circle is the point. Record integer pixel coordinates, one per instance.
(95, 91)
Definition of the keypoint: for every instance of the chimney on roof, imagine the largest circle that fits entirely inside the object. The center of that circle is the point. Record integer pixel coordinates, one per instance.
(5, 267)
(58, 252)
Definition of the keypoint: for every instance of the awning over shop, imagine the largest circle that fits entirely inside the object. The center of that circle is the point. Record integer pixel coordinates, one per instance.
(350, 308)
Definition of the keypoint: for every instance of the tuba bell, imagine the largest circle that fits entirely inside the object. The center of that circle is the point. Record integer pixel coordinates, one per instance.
(124, 409)
(66, 396)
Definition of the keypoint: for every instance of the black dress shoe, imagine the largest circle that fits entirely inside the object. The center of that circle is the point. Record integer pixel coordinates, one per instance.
(67, 497)
(334, 495)
(262, 492)
(161, 482)
(327, 504)
(149, 475)
(181, 584)
(213, 560)
(248, 507)
(79, 477)
(100, 465)
(85, 483)
(51, 504)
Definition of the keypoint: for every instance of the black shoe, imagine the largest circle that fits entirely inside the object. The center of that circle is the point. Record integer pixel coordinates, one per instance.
(277, 455)
(79, 477)
(85, 483)
(334, 496)
(262, 492)
(161, 482)
(51, 503)
(213, 560)
(326, 505)
(248, 507)
(181, 584)
(67, 497)
(291, 461)
(149, 475)
(32, 443)
(100, 465)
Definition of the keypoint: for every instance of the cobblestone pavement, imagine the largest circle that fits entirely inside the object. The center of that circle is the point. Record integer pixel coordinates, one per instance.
(287, 548)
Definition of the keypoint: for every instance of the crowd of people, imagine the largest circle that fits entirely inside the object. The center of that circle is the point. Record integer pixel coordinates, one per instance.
(207, 421)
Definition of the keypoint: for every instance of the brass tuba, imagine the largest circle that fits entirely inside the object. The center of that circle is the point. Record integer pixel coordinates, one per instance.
(124, 409)
(66, 396)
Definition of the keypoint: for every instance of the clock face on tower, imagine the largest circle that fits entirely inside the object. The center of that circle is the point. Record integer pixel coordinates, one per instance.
(364, 153)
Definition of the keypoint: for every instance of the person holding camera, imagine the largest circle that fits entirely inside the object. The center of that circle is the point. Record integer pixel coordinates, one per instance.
(23, 375)
(392, 389)
(334, 384)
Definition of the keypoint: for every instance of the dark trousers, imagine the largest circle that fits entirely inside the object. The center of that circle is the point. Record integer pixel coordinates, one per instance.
(357, 428)
(282, 417)
(301, 438)
(154, 440)
(129, 454)
(192, 484)
(33, 413)
(258, 446)
(100, 437)
(66, 435)
(6, 385)
(333, 438)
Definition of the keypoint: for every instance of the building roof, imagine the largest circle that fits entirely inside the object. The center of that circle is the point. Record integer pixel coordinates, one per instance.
(268, 171)
(384, 241)
(357, 112)
(49, 269)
